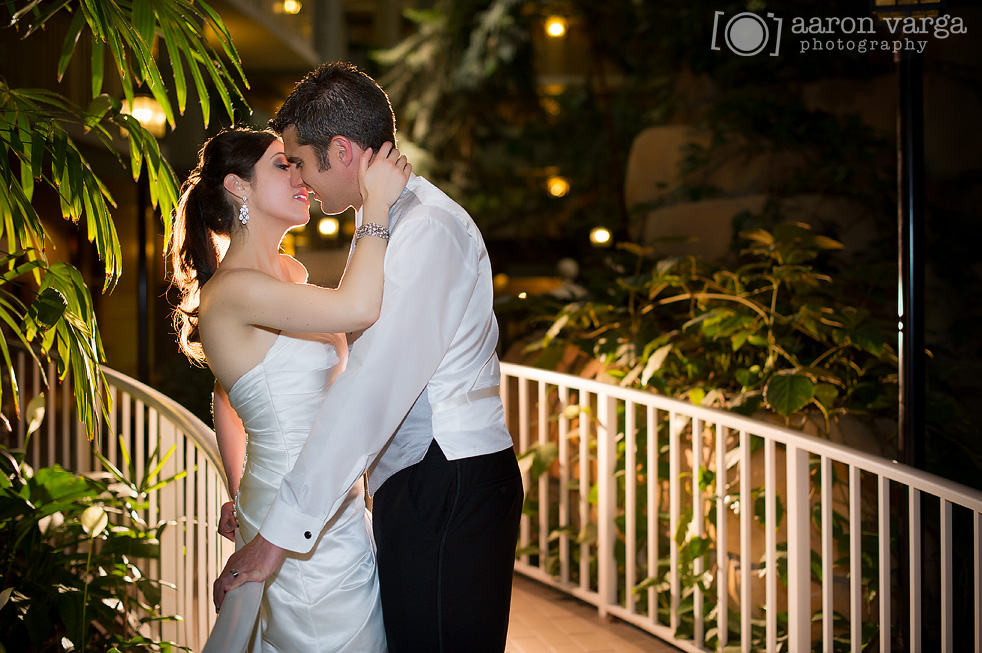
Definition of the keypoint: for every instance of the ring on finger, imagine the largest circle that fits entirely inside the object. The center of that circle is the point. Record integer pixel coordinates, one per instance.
(235, 573)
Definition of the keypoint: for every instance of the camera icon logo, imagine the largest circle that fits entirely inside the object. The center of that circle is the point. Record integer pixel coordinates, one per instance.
(746, 34)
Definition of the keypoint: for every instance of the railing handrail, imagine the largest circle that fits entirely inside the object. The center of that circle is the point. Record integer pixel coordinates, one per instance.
(189, 423)
(879, 465)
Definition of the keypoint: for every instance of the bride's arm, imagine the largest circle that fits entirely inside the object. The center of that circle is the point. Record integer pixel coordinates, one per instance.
(231, 438)
(261, 300)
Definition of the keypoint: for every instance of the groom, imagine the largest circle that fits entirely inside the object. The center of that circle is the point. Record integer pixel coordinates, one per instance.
(417, 406)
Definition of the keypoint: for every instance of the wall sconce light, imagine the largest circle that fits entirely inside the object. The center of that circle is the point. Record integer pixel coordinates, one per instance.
(600, 237)
(291, 7)
(557, 186)
(149, 114)
(556, 26)
(329, 227)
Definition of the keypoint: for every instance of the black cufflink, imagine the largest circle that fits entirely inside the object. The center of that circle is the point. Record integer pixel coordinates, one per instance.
(307, 534)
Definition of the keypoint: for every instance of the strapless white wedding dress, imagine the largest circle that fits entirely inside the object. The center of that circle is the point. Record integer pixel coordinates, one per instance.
(328, 599)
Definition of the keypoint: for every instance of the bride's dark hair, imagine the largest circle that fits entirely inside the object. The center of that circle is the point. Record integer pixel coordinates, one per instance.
(203, 221)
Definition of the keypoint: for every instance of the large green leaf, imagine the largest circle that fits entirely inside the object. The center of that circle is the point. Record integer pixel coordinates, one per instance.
(787, 393)
(48, 308)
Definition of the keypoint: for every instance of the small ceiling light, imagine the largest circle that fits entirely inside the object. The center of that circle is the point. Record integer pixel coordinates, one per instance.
(556, 26)
(522, 295)
(600, 236)
(149, 114)
(291, 7)
(328, 226)
(550, 106)
(557, 186)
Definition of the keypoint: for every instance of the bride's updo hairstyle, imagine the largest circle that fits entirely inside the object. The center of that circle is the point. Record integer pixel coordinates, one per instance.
(204, 220)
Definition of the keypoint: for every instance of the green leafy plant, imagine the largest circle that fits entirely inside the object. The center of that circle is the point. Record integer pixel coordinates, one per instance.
(39, 153)
(774, 332)
(74, 553)
(781, 333)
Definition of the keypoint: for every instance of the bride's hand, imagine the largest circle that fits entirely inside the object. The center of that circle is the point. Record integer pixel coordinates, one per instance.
(227, 523)
(382, 179)
(255, 562)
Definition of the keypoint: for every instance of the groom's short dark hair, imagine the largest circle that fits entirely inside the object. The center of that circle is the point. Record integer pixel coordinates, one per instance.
(337, 99)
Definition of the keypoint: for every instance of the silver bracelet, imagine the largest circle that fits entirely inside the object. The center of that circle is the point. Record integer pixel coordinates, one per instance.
(372, 229)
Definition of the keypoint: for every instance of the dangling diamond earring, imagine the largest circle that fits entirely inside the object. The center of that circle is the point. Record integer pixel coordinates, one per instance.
(244, 211)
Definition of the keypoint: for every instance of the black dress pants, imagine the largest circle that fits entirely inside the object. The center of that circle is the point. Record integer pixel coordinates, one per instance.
(446, 533)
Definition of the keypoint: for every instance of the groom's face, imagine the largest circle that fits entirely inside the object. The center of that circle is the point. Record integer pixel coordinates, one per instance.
(333, 187)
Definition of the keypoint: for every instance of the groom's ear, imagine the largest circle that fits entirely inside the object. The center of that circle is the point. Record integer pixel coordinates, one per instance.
(344, 151)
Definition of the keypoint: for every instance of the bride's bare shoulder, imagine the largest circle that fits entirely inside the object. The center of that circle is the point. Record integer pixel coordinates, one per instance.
(231, 284)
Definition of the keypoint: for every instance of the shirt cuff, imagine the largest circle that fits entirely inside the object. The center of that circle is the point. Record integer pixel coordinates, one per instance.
(290, 529)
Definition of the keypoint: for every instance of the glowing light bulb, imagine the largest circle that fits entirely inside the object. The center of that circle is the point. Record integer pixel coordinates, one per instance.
(556, 26)
(600, 236)
(558, 186)
(292, 7)
(328, 226)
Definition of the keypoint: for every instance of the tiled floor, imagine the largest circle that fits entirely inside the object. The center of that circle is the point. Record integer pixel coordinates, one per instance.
(544, 620)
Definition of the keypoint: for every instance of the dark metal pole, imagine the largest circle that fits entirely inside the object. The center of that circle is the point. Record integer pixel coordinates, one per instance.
(910, 150)
(910, 267)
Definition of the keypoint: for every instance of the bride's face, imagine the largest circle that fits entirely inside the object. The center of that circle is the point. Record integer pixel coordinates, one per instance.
(276, 192)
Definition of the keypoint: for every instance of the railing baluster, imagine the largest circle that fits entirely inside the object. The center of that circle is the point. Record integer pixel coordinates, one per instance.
(523, 445)
(746, 512)
(654, 504)
(914, 510)
(674, 509)
(947, 603)
(630, 500)
(190, 537)
(584, 400)
(544, 510)
(213, 539)
(698, 530)
(564, 475)
(154, 516)
(36, 438)
(770, 518)
(799, 550)
(855, 551)
(202, 576)
(883, 491)
(722, 545)
(112, 428)
(125, 428)
(606, 501)
(828, 556)
(977, 578)
(170, 542)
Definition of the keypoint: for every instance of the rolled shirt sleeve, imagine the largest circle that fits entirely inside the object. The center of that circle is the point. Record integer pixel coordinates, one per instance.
(430, 273)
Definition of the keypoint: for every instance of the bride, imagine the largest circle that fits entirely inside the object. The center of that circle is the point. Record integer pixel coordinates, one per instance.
(275, 344)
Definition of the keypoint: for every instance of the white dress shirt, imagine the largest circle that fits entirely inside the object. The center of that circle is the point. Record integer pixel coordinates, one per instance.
(436, 332)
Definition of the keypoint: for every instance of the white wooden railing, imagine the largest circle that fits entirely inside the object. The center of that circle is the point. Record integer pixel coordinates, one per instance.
(191, 551)
(591, 538)
(597, 531)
